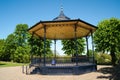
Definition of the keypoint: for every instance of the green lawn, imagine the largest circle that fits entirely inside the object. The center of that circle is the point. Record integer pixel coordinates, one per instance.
(10, 64)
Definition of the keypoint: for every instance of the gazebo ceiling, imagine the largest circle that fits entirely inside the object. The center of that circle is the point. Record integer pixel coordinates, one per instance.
(62, 29)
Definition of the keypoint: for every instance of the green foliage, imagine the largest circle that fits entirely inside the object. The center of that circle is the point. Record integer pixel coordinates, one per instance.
(2, 42)
(107, 34)
(21, 34)
(37, 45)
(69, 46)
(15, 46)
(107, 37)
(22, 51)
(9, 47)
(90, 53)
(103, 58)
(22, 55)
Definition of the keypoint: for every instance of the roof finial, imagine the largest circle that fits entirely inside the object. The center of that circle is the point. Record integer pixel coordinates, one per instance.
(61, 6)
(61, 15)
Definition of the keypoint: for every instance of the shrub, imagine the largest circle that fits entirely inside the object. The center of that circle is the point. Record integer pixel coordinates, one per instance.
(103, 58)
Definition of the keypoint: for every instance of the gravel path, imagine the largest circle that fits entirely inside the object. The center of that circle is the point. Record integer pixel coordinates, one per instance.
(15, 73)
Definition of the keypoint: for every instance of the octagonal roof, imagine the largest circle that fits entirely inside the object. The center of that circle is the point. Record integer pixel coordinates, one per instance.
(62, 29)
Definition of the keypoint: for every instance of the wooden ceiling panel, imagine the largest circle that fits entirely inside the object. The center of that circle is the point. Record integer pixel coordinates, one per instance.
(63, 29)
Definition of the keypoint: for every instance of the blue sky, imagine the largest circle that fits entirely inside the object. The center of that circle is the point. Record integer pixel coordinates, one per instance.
(13, 12)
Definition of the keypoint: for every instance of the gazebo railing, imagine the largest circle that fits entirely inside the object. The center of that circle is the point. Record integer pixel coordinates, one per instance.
(61, 61)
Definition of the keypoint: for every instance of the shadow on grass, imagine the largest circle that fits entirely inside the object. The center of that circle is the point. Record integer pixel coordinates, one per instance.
(105, 70)
(2, 64)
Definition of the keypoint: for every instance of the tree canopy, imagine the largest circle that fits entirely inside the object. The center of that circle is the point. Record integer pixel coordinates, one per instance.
(21, 34)
(16, 44)
(2, 42)
(37, 46)
(107, 37)
(69, 46)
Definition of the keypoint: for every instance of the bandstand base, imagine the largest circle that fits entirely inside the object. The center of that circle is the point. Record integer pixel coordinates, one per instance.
(75, 70)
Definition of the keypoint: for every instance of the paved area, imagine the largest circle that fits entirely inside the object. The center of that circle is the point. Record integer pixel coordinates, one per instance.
(15, 73)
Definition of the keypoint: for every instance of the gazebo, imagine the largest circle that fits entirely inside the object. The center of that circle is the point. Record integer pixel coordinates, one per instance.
(60, 28)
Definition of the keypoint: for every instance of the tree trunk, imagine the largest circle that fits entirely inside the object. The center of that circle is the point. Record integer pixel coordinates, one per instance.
(113, 56)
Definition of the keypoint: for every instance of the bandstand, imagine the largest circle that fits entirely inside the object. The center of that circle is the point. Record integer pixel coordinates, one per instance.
(60, 28)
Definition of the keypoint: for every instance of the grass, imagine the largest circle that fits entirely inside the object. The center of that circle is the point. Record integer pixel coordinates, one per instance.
(10, 64)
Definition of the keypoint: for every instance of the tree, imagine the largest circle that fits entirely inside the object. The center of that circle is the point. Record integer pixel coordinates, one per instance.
(69, 46)
(22, 51)
(21, 34)
(2, 42)
(107, 37)
(9, 47)
(37, 46)
(16, 47)
(21, 54)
